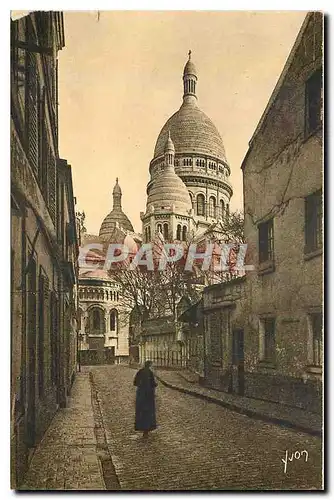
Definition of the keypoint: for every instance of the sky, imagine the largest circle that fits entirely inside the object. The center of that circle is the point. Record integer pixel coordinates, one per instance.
(120, 79)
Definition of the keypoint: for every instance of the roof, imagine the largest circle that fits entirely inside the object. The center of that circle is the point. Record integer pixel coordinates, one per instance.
(190, 315)
(159, 326)
(223, 284)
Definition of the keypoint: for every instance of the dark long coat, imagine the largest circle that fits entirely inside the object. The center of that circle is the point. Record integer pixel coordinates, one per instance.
(145, 400)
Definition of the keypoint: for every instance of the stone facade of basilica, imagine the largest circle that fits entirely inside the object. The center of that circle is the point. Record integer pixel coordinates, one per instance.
(188, 195)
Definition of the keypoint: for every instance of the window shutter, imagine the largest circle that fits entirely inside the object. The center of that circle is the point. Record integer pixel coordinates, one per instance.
(32, 111)
(52, 186)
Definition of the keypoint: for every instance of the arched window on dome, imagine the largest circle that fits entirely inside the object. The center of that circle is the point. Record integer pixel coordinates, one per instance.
(113, 320)
(159, 228)
(165, 231)
(200, 204)
(222, 208)
(146, 236)
(178, 232)
(184, 233)
(149, 234)
(212, 206)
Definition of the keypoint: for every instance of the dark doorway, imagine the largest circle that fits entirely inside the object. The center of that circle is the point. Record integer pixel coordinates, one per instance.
(238, 360)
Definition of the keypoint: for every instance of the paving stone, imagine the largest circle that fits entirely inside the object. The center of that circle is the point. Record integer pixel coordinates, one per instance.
(67, 456)
(199, 445)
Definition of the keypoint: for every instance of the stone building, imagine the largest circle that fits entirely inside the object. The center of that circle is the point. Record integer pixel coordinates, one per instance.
(103, 315)
(278, 314)
(44, 244)
(188, 196)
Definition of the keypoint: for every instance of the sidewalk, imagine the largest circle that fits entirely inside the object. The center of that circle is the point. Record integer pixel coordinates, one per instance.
(276, 413)
(67, 456)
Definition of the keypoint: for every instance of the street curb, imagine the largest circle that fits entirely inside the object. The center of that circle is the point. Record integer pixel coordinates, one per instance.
(244, 411)
(108, 470)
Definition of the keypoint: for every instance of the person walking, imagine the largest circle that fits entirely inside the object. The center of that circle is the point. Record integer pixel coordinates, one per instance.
(145, 418)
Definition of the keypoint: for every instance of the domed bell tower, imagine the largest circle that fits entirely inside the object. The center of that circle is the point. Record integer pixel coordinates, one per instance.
(189, 82)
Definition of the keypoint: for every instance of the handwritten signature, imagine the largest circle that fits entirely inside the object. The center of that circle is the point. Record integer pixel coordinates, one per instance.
(294, 456)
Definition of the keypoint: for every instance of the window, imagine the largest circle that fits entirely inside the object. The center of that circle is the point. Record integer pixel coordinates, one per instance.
(316, 325)
(313, 102)
(166, 231)
(222, 208)
(184, 233)
(178, 232)
(96, 319)
(212, 206)
(266, 241)
(159, 228)
(32, 102)
(113, 316)
(147, 234)
(313, 222)
(268, 339)
(200, 204)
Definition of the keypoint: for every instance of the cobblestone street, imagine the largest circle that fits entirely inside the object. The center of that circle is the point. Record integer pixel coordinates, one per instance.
(199, 445)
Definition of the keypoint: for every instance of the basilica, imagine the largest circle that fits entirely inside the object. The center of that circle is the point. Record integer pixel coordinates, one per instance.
(188, 196)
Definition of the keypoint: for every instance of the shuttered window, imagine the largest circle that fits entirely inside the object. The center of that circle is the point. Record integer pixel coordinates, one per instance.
(32, 104)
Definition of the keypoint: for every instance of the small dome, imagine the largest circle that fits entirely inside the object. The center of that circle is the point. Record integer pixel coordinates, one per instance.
(117, 188)
(169, 191)
(116, 216)
(190, 68)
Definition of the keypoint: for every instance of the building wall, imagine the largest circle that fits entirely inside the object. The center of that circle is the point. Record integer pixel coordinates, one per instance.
(40, 264)
(224, 307)
(282, 167)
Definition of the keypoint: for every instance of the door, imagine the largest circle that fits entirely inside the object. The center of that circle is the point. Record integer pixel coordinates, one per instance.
(31, 353)
(238, 362)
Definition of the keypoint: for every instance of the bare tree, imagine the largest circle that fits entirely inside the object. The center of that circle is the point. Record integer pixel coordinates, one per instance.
(157, 292)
